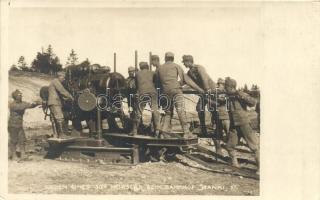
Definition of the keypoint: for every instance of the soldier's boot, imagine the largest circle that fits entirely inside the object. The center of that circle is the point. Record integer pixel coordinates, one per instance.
(23, 155)
(61, 131)
(12, 153)
(113, 126)
(218, 147)
(234, 159)
(202, 120)
(134, 130)
(156, 123)
(165, 126)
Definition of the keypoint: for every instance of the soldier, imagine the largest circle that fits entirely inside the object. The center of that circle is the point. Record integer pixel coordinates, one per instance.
(56, 92)
(168, 74)
(199, 75)
(131, 84)
(239, 126)
(221, 115)
(17, 136)
(146, 94)
(155, 61)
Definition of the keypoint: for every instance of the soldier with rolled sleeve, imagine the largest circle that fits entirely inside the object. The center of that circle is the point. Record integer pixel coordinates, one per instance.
(17, 137)
(146, 94)
(239, 122)
(56, 93)
(199, 75)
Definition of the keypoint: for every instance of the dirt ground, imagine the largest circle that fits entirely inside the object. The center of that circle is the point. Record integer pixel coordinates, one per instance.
(46, 176)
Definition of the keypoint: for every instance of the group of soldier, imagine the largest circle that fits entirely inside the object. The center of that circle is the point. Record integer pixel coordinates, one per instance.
(228, 114)
(145, 86)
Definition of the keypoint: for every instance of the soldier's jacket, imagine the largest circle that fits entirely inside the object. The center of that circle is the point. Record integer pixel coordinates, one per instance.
(199, 75)
(168, 75)
(131, 84)
(236, 106)
(222, 106)
(17, 110)
(145, 82)
(55, 90)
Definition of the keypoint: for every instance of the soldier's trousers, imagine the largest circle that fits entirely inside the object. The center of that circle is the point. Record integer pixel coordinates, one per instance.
(247, 133)
(250, 137)
(56, 110)
(176, 100)
(17, 140)
(222, 125)
(152, 101)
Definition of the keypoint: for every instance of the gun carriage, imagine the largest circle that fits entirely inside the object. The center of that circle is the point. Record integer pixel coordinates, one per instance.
(98, 101)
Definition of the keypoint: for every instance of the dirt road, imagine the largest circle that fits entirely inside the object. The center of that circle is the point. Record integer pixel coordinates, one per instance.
(57, 177)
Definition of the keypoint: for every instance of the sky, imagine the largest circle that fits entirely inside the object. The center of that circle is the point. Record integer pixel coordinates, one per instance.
(227, 41)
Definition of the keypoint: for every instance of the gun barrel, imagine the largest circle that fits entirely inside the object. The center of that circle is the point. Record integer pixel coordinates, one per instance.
(114, 62)
(150, 54)
(136, 60)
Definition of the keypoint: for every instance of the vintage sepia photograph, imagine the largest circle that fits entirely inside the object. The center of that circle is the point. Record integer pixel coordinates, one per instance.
(139, 100)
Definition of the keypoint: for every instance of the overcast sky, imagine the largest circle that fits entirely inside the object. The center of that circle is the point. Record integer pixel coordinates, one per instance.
(227, 41)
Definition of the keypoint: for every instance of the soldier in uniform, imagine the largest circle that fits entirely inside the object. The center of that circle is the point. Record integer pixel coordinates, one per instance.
(17, 136)
(131, 84)
(146, 94)
(56, 92)
(199, 75)
(239, 122)
(221, 115)
(168, 74)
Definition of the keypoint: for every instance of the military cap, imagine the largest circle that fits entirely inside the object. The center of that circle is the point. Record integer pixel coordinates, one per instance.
(220, 80)
(131, 69)
(155, 57)
(230, 82)
(143, 65)
(169, 54)
(186, 58)
(16, 93)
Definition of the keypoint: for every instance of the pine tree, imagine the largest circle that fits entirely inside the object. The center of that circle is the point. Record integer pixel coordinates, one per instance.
(46, 62)
(72, 59)
(22, 64)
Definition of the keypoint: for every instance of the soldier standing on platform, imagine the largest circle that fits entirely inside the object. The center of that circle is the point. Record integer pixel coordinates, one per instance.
(169, 73)
(131, 84)
(199, 75)
(56, 92)
(146, 94)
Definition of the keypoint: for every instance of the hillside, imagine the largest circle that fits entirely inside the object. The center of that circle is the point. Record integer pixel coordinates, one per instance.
(30, 84)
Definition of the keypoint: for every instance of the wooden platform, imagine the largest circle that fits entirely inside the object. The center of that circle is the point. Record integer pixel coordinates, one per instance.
(90, 150)
(149, 141)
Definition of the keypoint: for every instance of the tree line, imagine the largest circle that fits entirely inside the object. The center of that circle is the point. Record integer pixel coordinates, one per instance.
(45, 62)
